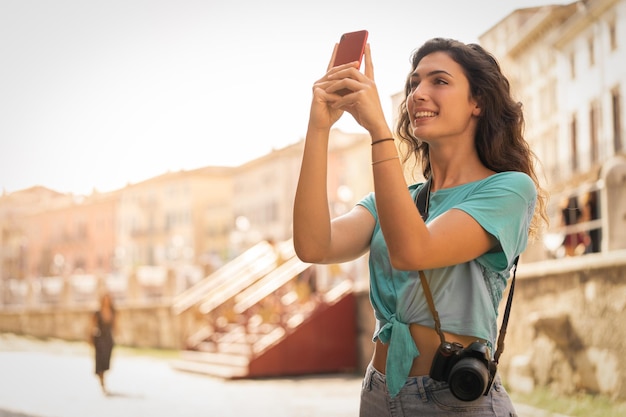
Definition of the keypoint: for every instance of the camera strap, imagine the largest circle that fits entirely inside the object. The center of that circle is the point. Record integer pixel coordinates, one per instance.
(421, 201)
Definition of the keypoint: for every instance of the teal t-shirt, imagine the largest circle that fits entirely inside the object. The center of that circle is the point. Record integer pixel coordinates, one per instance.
(466, 295)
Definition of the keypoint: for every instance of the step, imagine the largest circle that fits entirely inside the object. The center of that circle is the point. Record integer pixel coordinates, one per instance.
(234, 348)
(222, 365)
(219, 358)
(212, 369)
(269, 339)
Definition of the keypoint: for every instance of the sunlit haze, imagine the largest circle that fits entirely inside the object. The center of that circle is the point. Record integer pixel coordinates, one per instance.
(95, 95)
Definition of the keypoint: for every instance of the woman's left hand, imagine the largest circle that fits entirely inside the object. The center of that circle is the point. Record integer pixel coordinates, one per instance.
(363, 102)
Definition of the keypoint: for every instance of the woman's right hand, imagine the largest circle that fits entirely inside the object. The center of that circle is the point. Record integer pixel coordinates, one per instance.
(323, 114)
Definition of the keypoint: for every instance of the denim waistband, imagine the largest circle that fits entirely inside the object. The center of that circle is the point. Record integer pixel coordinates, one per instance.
(422, 395)
(417, 385)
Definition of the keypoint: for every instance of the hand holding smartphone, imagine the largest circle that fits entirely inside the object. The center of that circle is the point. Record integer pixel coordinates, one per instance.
(350, 49)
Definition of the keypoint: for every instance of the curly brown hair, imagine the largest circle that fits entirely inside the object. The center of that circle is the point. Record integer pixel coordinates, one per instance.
(499, 138)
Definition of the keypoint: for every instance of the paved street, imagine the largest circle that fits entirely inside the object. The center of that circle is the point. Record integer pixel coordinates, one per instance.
(55, 379)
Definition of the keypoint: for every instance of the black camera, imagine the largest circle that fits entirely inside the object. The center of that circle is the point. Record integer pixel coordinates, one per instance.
(468, 371)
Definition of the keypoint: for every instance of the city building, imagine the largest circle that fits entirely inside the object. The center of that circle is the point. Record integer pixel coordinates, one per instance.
(170, 231)
(14, 248)
(567, 66)
(176, 223)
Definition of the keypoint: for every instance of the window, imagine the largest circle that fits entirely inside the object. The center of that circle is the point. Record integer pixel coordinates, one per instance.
(81, 230)
(618, 143)
(594, 127)
(574, 143)
(613, 34)
(592, 51)
(80, 263)
(590, 205)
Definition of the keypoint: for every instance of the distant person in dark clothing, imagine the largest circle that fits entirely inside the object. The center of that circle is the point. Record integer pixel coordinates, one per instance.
(590, 212)
(575, 243)
(103, 327)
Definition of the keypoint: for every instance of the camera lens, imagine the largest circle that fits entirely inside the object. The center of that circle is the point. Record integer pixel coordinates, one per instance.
(468, 379)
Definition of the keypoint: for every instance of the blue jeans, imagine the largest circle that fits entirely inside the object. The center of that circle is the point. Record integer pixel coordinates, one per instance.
(423, 396)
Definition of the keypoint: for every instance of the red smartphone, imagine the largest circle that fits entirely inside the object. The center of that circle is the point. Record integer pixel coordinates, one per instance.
(351, 48)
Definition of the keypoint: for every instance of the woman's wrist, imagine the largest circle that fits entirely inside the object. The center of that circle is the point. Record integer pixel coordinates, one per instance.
(377, 141)
(317, 133)
(381, 133)
(318, 127)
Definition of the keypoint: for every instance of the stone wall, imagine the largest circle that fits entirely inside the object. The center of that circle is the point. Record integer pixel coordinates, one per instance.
(566, 329)
(139, 326)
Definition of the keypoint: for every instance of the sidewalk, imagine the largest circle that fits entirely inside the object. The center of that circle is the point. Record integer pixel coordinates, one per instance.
(55, 379)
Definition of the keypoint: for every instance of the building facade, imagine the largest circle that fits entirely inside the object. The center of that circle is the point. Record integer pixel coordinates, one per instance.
(167, 231)
(15, 252)
(567, 66)
(178, 218)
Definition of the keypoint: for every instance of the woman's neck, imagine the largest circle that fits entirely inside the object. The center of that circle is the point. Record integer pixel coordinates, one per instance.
(456, 167)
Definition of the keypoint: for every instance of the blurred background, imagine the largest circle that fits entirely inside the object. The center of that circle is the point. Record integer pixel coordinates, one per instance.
(151, 150)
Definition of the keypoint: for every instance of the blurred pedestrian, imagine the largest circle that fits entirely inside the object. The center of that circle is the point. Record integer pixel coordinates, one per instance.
(102, 331)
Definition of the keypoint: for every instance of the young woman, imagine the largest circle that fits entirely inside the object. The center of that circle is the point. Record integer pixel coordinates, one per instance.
(103, 325)
(459, 120)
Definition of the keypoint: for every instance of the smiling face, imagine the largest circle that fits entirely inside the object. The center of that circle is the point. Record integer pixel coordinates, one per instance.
(439, 102)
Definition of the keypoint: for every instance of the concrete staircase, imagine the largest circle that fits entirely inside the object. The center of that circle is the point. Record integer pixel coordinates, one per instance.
(262, 315)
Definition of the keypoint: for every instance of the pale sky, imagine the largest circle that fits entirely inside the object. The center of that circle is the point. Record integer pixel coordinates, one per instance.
(98, 94)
